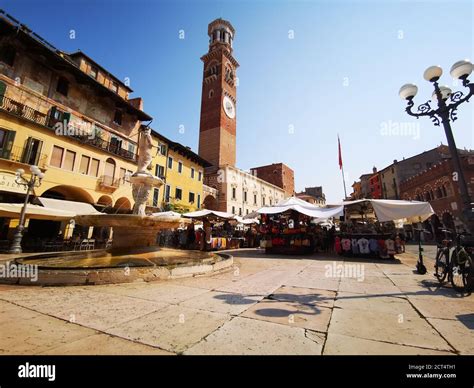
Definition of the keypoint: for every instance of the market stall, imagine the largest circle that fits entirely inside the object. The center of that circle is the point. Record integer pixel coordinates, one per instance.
(370, 226)
(218, 230)
(287, 227)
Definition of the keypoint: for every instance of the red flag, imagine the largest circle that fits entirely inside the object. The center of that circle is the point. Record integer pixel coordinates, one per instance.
(340, 153)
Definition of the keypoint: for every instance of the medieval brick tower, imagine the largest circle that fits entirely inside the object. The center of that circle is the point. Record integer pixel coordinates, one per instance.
(218, 101)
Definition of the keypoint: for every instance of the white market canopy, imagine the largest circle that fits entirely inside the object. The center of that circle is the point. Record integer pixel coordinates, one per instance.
(251, 215)
(209, 214)
(384, 209)
(167, 214)
(78, 208)
(246, 221)
(392, 210)
(48, 209)
(302, 207)
(13, 210)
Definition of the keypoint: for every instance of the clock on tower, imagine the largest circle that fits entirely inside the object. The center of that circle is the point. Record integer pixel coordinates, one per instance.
(218, 101)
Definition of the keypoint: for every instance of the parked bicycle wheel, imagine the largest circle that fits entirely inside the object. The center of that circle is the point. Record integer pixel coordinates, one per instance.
(462, 270)
(441, 265)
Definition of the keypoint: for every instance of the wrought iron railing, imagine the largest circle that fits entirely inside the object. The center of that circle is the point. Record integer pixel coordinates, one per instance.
(21, 110)
(20, 155)
(110, 181)
(18, 109)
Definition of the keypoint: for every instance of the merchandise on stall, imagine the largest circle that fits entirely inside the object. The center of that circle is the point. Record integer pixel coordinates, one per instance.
(370, 231)
(219, 230)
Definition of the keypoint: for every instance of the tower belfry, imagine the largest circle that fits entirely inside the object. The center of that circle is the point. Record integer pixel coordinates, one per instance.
(217, 133)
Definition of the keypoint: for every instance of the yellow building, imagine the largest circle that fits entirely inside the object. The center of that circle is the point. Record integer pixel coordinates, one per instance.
(69, 116)
(73, 119)
(183, 173)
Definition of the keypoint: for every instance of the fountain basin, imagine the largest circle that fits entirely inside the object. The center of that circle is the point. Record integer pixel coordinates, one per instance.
(133, 230)
(106, 267)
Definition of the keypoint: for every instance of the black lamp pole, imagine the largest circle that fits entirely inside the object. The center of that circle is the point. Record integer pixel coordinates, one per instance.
(445, 113)
(30, 184)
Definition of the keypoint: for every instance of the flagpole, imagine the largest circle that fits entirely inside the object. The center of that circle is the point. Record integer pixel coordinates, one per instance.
(344, 183)
(341, 166)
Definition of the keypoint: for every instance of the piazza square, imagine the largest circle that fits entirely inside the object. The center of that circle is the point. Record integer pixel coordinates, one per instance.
(206, 179)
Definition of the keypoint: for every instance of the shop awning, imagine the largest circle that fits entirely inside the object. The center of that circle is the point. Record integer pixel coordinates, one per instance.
(310, 211)
(13, 210)
(209, 214)
(303, 207)
(78, 208)
(392, 210)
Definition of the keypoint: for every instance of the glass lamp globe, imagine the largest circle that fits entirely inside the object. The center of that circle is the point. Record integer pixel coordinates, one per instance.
(408, 91)
(433, 73)
(445, 93)
(461, 69)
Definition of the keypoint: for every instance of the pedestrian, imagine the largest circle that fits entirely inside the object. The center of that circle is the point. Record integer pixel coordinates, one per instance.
(191, 236)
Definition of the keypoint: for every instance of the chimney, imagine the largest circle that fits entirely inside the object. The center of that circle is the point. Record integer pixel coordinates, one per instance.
(137, 102)
(374, 170)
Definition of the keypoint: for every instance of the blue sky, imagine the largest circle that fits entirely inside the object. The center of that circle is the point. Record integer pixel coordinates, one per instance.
(340, 73)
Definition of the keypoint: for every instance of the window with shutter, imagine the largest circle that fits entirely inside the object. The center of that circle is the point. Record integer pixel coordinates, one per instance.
(84, 167)
(94, 171)
(32, 151)
(7, 143)
(56, 156)
(69, 160)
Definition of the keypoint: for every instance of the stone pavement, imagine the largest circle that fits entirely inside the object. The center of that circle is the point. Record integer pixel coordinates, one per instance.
(264, 305)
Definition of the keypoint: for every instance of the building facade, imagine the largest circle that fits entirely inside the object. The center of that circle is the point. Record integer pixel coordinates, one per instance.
(356, 191)
(361, 189)
(76, 121)
(70, 117)
(393, 175)
(240, 192)
(310, 199)
(278, 174)
(388, 179)
(375, 185)
(313, 195)
(438, 186)
(182, 170)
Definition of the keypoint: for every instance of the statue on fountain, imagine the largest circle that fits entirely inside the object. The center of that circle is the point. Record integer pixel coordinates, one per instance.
(145, 147)
(142, 181)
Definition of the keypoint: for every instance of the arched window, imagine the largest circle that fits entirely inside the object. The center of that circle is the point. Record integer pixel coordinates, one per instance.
(211, 93)
(109, 171)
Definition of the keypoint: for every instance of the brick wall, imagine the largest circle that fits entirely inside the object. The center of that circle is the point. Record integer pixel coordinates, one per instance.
(279, 175)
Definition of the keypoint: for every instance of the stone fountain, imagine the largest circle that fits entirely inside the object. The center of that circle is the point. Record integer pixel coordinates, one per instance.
(137, 230)
(133, 255)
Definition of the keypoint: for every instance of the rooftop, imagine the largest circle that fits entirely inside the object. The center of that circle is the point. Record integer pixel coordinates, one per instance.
(60, 60)
(182, 149)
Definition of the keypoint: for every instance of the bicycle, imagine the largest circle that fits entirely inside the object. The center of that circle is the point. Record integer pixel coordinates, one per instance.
(456, 264)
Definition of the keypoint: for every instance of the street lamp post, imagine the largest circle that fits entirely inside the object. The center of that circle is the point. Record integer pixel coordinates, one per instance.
(30, 184)
(448, 103)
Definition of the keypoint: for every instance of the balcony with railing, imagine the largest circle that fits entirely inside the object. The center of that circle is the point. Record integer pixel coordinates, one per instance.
(109, 183)
(51, 119)
(23, 155)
